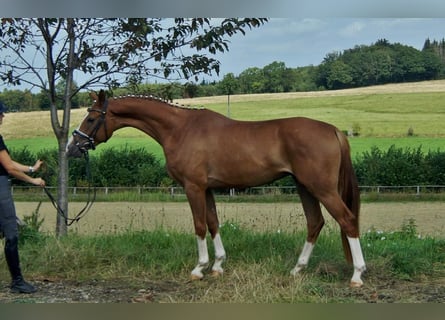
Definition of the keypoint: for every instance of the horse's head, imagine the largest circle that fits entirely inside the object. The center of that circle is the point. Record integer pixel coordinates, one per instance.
(92, 130)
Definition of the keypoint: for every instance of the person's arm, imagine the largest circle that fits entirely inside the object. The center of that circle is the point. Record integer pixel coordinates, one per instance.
(27, 169)
(18, 170)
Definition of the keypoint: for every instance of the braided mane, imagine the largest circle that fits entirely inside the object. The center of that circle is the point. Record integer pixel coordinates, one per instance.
(155, 98)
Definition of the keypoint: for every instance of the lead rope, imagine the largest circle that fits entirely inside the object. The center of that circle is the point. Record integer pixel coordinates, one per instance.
(89, 203)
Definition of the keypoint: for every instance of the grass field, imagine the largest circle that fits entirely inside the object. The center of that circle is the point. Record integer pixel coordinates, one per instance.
(405, 264)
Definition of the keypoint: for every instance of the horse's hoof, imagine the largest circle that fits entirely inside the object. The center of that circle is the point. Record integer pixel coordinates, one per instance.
(355, 284)
(195, 277)
(216, 273)
(294, 272)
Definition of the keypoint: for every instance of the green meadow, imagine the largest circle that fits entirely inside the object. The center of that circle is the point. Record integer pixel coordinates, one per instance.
(405, 119)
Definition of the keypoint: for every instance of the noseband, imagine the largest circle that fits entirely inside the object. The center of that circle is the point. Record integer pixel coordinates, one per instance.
(88, 142)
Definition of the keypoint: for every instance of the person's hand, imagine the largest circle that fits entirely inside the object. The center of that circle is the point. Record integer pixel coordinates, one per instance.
(39, 182)
(37, 165)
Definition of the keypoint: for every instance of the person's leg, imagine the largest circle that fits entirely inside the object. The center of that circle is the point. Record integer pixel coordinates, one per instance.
(8, 226)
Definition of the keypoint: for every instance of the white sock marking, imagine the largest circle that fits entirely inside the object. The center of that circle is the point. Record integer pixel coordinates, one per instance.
(203, 259)
(303, 259)
(358, 260)
(219, 248)
(220, 254)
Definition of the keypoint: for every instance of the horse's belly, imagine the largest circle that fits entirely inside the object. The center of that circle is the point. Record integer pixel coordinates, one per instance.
(241, 176)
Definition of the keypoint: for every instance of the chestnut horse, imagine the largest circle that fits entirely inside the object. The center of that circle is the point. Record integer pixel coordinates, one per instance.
(205, 150)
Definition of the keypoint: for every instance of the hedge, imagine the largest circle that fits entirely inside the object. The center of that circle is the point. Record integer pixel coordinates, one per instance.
(129, 167)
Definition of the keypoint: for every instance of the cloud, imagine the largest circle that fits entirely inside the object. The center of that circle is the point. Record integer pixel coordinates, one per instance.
(353, 29)
(304, 26)
(293, 27)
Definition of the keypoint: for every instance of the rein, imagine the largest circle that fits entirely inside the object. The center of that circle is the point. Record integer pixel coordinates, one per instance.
(84, 147)
(88, 205)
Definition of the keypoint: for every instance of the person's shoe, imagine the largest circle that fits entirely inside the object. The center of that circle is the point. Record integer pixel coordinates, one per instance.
(21, 286)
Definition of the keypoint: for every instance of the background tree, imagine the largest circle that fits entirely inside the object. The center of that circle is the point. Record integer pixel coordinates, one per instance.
(190, 90)
(273, 74)
(60, 90)
(435, 47)
(252, 80)
(379, 63)
(228, 86)
(305, 79)
(107, 52)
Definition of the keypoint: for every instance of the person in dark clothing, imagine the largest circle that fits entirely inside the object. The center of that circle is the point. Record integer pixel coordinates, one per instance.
(8, 218)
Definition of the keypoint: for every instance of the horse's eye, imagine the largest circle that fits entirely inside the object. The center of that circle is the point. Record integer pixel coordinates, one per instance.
(90, 120)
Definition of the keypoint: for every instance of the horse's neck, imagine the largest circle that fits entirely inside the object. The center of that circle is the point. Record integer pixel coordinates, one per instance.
(150, 116)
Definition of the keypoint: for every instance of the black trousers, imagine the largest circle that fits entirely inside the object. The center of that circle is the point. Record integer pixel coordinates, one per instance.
(8, 227)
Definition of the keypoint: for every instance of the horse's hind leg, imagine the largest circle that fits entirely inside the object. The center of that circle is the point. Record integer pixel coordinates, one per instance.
(315, 222)
(337, 208)
(213, 225)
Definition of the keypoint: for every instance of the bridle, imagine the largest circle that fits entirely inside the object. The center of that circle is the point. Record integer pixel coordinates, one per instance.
(86, 141)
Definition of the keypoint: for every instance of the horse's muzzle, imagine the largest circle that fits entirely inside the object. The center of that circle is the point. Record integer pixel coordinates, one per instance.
(72, 150)
(79, 144)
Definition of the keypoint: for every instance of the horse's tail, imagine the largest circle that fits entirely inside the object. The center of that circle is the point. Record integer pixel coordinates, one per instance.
(348, 188)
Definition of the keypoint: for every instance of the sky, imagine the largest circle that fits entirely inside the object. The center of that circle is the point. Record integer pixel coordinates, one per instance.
(301, 42)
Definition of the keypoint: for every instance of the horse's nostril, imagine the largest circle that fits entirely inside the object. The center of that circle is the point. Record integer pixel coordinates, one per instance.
(73, 151)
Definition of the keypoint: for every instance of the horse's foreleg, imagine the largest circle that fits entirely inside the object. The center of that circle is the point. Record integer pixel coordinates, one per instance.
(315, 222)
(197, 200)
(303, 259)
(203, 260)
(213, 225)
(220, 256)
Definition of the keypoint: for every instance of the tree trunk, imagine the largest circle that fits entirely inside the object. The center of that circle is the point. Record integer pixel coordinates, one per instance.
(62, 136)
(62, 189)
(61, 132)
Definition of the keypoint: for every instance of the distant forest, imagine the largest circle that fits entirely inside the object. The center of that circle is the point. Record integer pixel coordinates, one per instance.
(365, 65)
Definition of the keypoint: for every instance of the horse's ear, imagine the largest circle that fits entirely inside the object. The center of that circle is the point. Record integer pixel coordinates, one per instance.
(93, 95)
(102, 97)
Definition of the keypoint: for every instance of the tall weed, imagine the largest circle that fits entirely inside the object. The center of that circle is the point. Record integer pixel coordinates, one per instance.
(407, 253)
(29, 228)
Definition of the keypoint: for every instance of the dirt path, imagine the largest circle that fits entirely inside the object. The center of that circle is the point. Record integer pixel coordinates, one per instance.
(376, 290)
